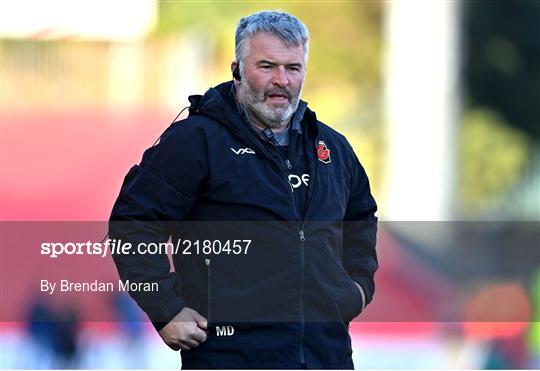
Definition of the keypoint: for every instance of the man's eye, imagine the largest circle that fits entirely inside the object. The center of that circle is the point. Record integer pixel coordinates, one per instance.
(266, 67)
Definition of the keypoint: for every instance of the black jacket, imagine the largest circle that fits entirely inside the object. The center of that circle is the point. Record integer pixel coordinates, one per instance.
(290, 297)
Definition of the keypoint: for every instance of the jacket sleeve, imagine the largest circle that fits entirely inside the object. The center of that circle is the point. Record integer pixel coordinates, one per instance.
(160, 190)
(360, 232)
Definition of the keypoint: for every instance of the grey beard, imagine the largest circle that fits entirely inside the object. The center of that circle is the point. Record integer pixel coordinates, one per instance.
(254, 104)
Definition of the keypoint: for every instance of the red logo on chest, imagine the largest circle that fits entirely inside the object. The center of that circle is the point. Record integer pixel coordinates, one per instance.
(323, 153)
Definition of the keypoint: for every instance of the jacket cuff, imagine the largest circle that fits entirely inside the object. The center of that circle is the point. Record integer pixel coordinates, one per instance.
(367, 297)
(161, 317)
(362, 294)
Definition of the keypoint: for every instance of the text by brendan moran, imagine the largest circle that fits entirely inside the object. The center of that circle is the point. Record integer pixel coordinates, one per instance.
(97, 286)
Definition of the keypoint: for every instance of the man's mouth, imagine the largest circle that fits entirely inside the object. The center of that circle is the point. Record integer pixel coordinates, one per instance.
(278, 98)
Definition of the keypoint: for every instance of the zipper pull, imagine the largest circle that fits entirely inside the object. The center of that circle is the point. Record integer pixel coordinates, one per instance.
(288, 163)
(207, 261)
(302, 237)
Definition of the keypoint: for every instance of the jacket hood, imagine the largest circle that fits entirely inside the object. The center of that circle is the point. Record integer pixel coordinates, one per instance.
(219, 104)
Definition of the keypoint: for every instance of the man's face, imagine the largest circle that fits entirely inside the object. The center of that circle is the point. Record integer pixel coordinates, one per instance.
(272, 80)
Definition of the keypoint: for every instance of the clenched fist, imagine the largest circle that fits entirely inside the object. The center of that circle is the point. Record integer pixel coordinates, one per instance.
(186, 331)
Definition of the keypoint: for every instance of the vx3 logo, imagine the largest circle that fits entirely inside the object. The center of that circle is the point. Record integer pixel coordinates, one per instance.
(243, 151)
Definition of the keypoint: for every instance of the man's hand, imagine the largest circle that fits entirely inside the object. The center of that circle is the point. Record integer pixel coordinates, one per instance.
(186, 331)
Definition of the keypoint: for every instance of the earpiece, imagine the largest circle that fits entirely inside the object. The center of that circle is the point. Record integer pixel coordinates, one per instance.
(236, 72)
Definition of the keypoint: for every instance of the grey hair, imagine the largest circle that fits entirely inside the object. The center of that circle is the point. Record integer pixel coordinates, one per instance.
(285, 26)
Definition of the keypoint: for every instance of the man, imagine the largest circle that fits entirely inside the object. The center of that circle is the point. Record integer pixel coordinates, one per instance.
(251, 153)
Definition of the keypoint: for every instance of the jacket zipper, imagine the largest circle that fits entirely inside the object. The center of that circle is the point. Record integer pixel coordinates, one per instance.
(302, 277)
(302, 257)
(302, 238)
(301, 220)
(302, 253)
(209, 277)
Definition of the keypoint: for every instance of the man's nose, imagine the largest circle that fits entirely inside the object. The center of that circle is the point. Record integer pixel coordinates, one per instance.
(280, 77)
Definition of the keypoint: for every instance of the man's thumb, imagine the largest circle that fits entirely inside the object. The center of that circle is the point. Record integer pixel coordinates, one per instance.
(201, 321)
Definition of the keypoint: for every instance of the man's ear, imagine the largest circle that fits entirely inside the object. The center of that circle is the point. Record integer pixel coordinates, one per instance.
(235, 67)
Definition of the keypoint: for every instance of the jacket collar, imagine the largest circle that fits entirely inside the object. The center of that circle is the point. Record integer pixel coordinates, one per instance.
(220, 105)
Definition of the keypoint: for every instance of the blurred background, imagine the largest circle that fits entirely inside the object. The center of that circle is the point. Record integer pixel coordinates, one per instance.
(440, 99)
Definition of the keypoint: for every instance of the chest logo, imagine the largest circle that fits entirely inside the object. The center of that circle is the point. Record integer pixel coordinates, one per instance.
(243, 151)
(296, 181)
(323, 153)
